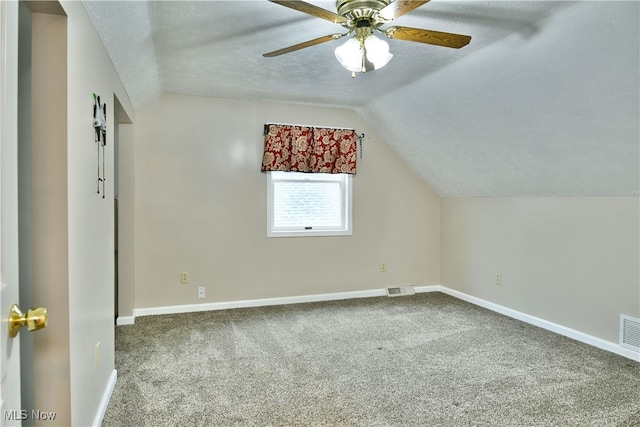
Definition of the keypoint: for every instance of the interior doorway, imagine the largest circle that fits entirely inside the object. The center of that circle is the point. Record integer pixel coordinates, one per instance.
(124, 210)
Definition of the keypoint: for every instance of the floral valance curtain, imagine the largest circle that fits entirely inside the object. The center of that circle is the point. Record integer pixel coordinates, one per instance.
(309, 149)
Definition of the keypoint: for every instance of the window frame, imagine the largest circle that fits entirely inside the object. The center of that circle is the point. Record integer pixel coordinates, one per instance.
(347, 205)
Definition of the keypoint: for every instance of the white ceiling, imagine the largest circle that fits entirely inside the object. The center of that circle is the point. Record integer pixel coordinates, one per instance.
(544, 101)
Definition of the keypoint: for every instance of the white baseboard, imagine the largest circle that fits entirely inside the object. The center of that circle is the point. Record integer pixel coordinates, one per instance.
(550, 326)
(544, 324)
(125, 320)
(104, 403)
(421, 289)
(257, 302)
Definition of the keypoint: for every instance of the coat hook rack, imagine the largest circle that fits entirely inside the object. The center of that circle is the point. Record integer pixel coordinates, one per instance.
(100, 126)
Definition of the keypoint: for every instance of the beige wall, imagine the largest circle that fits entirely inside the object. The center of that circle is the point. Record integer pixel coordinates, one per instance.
(72, 227)
(571, 261)
(91, 218)
(126, 219)
(201, 207)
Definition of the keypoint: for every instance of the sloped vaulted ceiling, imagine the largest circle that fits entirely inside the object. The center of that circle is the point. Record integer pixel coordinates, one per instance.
(544, 101)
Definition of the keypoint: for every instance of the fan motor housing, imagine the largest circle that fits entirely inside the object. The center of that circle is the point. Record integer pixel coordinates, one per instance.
(358, 9)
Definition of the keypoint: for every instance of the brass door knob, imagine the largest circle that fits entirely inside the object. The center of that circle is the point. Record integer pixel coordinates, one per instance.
(36, 318)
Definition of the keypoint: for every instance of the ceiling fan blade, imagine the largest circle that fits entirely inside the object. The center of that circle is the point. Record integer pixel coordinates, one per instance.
(455, 41)
(303, 45)
(398, 8)
(311, 9)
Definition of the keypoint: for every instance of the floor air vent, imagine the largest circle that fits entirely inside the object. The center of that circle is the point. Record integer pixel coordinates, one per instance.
(401, 290)
(629, 332)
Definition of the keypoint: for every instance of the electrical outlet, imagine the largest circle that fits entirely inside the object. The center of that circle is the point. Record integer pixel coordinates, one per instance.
(383, 267)
(498, 278)
(98, 355)
(184, 277)
(201, 292)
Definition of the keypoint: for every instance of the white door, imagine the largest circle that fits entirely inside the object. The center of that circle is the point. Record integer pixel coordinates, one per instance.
(10, 410)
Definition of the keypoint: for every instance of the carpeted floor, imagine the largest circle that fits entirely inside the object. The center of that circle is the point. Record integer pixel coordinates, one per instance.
(423, 360)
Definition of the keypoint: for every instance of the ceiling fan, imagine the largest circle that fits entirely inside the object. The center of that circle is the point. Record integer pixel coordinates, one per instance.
(364, 51)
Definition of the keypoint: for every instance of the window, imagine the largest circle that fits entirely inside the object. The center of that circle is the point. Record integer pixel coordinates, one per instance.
(308, 204)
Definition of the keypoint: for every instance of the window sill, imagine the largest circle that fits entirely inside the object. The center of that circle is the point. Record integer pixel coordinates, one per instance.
(310, 233)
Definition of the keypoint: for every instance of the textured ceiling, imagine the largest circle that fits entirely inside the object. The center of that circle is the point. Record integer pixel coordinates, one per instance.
(544, 101)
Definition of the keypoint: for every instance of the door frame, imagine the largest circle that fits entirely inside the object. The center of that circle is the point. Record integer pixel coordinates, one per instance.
(11, 412)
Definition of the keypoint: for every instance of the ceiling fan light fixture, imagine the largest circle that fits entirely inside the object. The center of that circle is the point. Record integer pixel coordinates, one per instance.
(350, 55)
(358, 56)
(377, 51)
(363, 51)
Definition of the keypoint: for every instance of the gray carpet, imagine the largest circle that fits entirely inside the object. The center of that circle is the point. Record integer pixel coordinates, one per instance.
(423, 360)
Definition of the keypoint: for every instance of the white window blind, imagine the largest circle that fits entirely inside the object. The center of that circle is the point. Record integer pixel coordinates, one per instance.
(302, 204)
